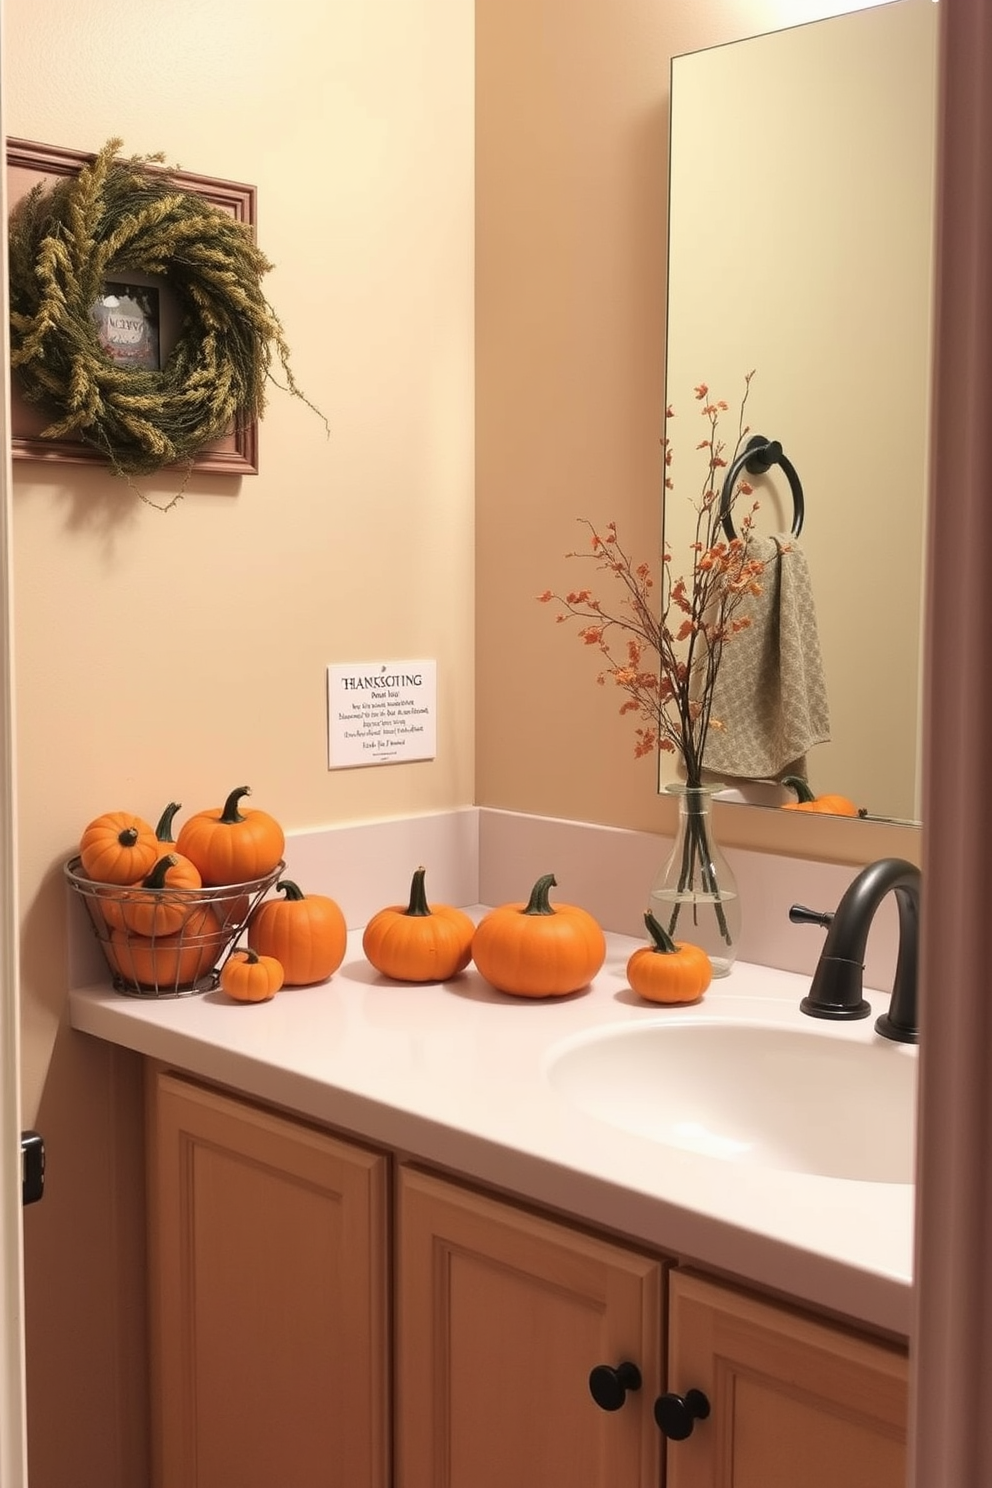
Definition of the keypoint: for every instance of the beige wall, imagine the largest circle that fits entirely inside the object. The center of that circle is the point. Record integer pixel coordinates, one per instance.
(175, 656)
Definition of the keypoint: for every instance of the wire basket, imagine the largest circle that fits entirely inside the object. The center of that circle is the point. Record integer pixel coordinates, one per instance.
(167, 942)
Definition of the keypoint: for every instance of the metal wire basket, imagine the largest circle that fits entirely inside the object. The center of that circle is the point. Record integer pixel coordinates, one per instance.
(167, 942)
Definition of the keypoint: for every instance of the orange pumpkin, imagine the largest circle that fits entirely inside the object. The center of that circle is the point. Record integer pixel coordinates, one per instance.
(168, 962)
(118, 847)
(231, 846)
(248, 977)
(536, 949)
(163, 831)
(151, 909)
(419, 942)
(306, 933)
(668, 970)
(827, 805)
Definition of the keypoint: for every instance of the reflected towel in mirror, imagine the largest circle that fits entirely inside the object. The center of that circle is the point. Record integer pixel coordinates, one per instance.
(771, 694)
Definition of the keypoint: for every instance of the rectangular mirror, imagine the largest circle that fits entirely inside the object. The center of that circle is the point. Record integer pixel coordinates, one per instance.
(800, 246)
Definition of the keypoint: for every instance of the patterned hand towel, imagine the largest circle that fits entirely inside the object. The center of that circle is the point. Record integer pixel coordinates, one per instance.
(770, 693)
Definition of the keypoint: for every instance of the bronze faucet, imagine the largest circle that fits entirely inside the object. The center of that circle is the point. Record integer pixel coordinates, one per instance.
(836, 988)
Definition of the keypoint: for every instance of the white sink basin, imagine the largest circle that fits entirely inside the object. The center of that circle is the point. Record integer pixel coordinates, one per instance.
(752, 1094)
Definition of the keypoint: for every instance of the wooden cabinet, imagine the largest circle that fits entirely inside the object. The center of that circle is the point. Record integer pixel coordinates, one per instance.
(501, 1316)
(794, 1402)
(268, 1298)
(286, 1301)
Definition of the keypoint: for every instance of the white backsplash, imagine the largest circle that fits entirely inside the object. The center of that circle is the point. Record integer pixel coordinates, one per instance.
(367, 865)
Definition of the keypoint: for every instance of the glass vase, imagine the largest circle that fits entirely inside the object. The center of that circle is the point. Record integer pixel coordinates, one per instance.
(695, 895)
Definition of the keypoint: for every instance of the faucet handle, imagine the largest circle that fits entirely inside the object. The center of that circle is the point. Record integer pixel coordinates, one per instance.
(800, 915)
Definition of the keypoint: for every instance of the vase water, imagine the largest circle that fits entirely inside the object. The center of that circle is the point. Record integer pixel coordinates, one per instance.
(695, 895)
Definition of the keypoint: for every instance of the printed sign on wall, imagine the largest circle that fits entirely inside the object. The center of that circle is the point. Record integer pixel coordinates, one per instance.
(381, 713)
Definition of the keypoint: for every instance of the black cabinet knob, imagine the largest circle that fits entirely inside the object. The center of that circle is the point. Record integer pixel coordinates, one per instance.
(676, 1415)
(609, 1386)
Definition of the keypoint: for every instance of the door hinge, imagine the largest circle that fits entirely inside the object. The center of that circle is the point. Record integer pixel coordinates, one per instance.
(32, 1167)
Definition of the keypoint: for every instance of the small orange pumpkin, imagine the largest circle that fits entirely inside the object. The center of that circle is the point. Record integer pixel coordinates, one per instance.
(248, 977)
(306, 933)
(536, 949)
(668, 970)
(150, 909)
(118, 847)
(825, 805)
(419, 942)
(168, 962)
(231, 846)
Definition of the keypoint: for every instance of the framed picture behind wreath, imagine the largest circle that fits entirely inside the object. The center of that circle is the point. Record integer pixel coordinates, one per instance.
(126, 320)
(137, 317)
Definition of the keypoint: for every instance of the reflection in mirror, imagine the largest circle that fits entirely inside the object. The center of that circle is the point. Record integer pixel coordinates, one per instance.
(800, 246)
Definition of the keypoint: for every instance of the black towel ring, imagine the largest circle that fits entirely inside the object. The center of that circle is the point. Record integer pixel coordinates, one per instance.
(757, 457)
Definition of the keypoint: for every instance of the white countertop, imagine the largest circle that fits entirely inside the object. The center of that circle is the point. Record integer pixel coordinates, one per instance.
(454, 1074)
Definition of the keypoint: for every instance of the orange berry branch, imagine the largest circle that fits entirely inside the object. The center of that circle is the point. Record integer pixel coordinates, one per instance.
(666, 656)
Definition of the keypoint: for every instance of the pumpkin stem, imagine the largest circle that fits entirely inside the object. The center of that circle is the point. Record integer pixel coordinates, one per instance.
(156, 879)
(538, 903)
(128, 837)
(251, 957)
(288, 887)
(662, 941)
(164, 829)
(418, 906)
(231, 815)
(801, 788)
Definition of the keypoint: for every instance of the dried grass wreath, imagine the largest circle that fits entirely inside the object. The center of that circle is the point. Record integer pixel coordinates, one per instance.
(115, 215)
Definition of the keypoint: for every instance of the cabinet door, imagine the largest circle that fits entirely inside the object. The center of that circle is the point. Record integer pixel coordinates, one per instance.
(795, 1403)
(268, 1292)
(501, 1317)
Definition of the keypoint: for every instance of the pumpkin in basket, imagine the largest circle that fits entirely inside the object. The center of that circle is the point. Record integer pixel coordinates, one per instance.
(145, 907)
(150, 909)
(164, 829)
(231, 845)
(118, 848)
(169, 962)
